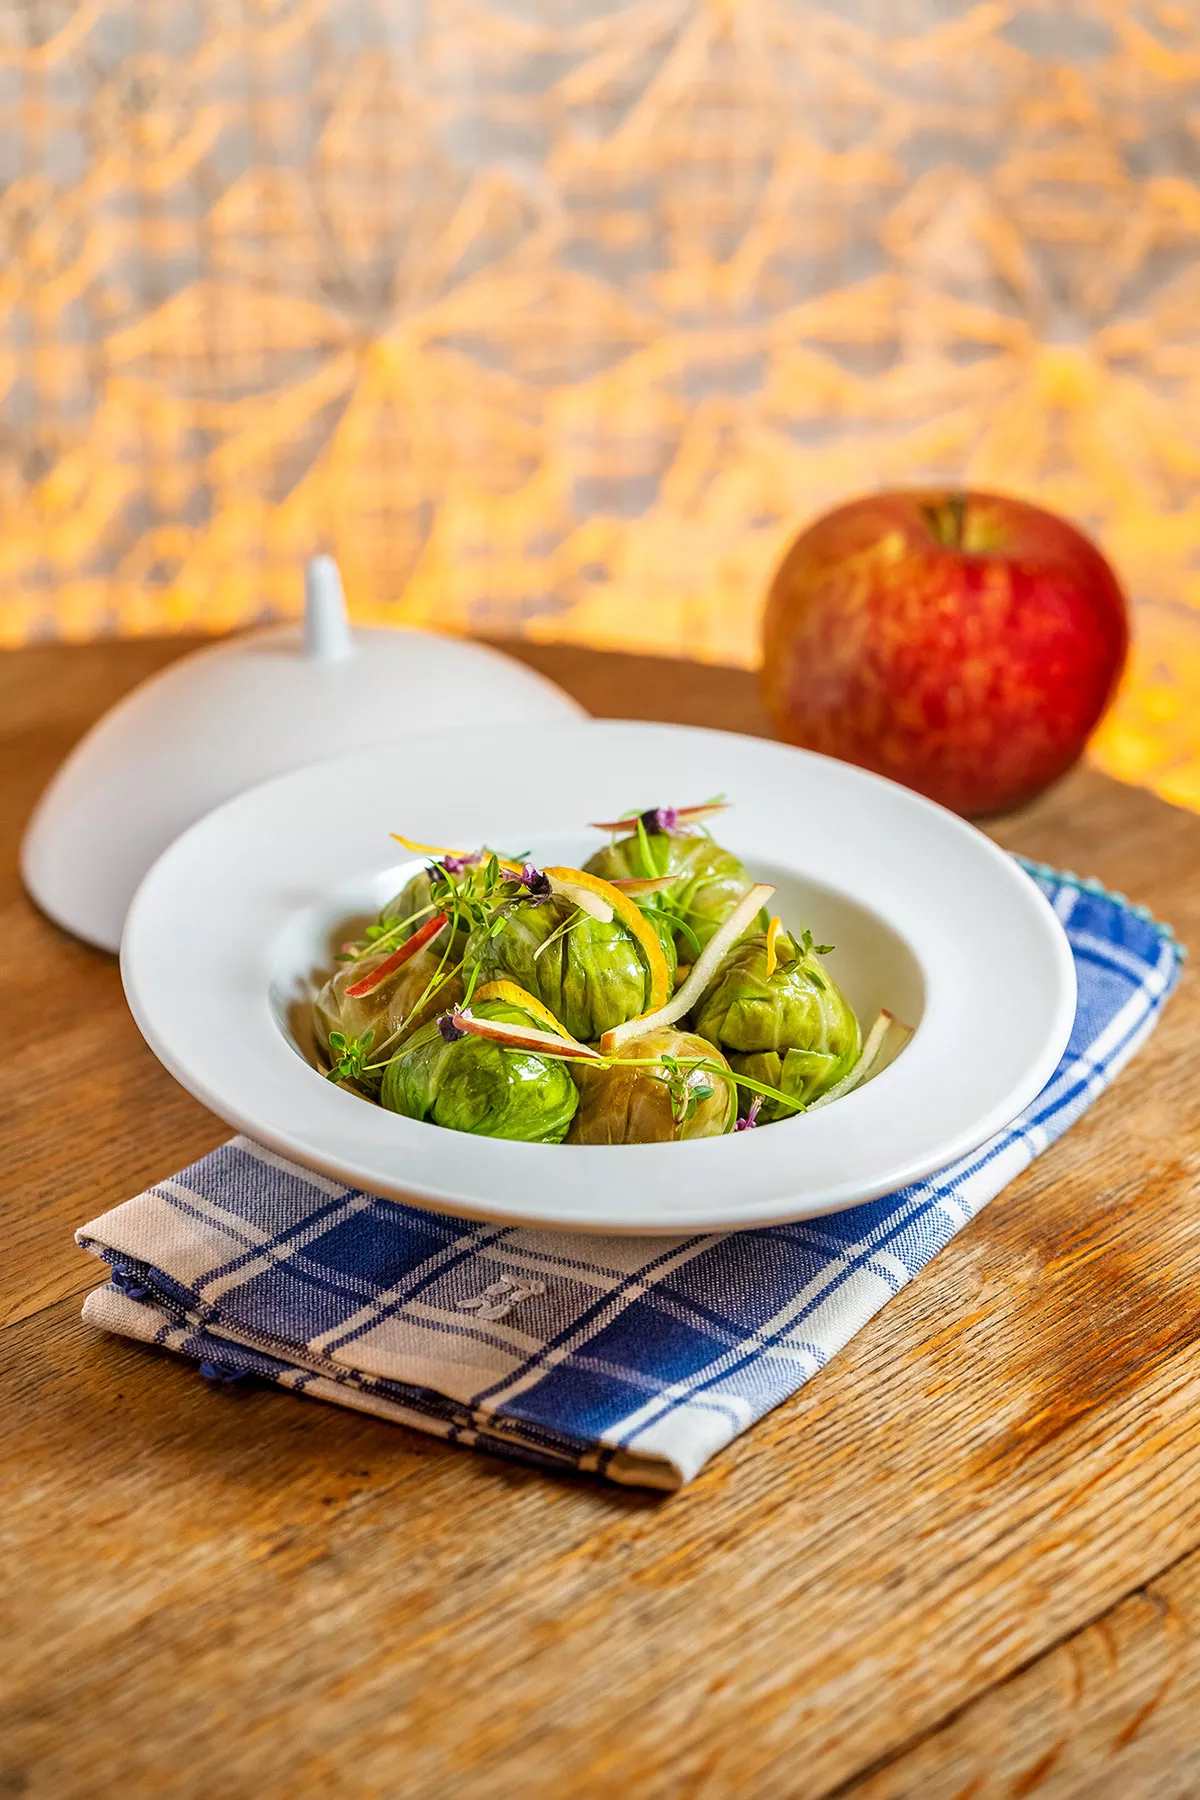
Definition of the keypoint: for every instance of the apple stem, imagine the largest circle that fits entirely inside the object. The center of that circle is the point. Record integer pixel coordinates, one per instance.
(948, 521)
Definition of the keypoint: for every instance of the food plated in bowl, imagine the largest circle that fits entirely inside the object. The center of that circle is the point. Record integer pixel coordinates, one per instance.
(234, 933)
(648, 997)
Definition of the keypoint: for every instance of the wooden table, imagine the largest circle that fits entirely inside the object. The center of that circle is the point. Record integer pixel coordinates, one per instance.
(964, 1562)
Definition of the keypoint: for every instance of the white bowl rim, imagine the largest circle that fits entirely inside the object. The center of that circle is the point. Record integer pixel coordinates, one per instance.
(988, 943)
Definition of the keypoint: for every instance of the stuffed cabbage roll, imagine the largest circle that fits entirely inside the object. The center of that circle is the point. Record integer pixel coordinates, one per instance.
(792, 1029)
(710, 881)
(470, 1084)
(399, 1004)
(656, 1104)
(591, 975)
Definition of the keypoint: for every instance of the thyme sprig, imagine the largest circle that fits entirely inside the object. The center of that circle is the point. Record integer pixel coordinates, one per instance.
(729, 1076)
(349, 1056)
(684, 1091)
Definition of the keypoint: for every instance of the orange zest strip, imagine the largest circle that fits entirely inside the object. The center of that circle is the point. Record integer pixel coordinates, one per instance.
(772, 934)
(442, 850)
(636, 923)
(408, 949)
(513, 994)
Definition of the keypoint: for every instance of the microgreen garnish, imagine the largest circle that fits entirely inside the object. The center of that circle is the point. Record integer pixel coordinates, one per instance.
(351, 1055)
(684, 1090)
(730, 1076)
(673, 914)
(751, 1118)
(649, 862)
(660, 818)
(560, 931)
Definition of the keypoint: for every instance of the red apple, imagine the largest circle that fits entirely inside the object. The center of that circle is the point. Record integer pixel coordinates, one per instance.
(964, 644)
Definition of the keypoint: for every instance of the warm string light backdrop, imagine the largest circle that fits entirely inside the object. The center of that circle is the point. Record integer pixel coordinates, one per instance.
(559, 316)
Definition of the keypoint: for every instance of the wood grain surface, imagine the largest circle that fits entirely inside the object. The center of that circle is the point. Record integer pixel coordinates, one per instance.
(963, 1563)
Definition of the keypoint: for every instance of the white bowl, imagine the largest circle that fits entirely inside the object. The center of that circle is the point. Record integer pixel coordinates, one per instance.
(234, 924)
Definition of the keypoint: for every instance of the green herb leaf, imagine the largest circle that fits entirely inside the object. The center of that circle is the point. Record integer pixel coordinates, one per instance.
(649, 866)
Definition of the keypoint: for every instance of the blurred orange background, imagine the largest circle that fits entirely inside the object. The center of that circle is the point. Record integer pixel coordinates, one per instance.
(559, 317)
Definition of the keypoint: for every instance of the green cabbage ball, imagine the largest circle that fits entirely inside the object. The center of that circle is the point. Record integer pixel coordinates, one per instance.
(710, 880)
(655, 1105)
(414, 897)
(484, 1088)
(591, 976)
(399, 1004)
(794, 1030)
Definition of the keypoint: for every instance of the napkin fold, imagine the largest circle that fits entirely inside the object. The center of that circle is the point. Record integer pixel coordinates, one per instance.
(635, 1359)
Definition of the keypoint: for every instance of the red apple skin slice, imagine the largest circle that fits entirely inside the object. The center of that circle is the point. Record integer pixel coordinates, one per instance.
(513, 1037)
(398, 958)
(638, 885)
(687, 815)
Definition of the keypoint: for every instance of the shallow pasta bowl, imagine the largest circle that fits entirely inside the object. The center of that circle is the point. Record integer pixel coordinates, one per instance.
(234, 927)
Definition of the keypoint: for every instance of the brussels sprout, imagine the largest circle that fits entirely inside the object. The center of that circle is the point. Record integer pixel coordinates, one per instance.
(710, 881)
(657, 1105)
(793, 1029)
(472, 1085)
(414, 897)
(388, 1010)
(590, 975)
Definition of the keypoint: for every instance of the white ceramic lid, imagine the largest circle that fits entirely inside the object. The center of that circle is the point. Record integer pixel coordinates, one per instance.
(232, 715)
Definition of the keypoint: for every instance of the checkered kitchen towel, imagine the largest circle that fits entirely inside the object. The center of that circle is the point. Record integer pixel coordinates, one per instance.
(633, 1358)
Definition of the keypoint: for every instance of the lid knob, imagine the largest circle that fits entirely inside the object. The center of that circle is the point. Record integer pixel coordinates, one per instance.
(326, 627)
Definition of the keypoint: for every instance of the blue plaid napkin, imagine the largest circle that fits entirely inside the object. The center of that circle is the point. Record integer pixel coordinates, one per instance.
(632, 1358)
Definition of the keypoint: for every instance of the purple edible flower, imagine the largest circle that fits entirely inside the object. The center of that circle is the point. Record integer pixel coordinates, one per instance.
(537, 883)
(751, 1118)
(454, 865)
(450, 1032)
(661, 818)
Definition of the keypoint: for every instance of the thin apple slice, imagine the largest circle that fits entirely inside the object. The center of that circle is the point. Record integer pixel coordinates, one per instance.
(398, 958)
(884, 1042)
(682, 815)
(703, 970)
(522, 1037)
(582, 897)
(772, 934)
(638, 886)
